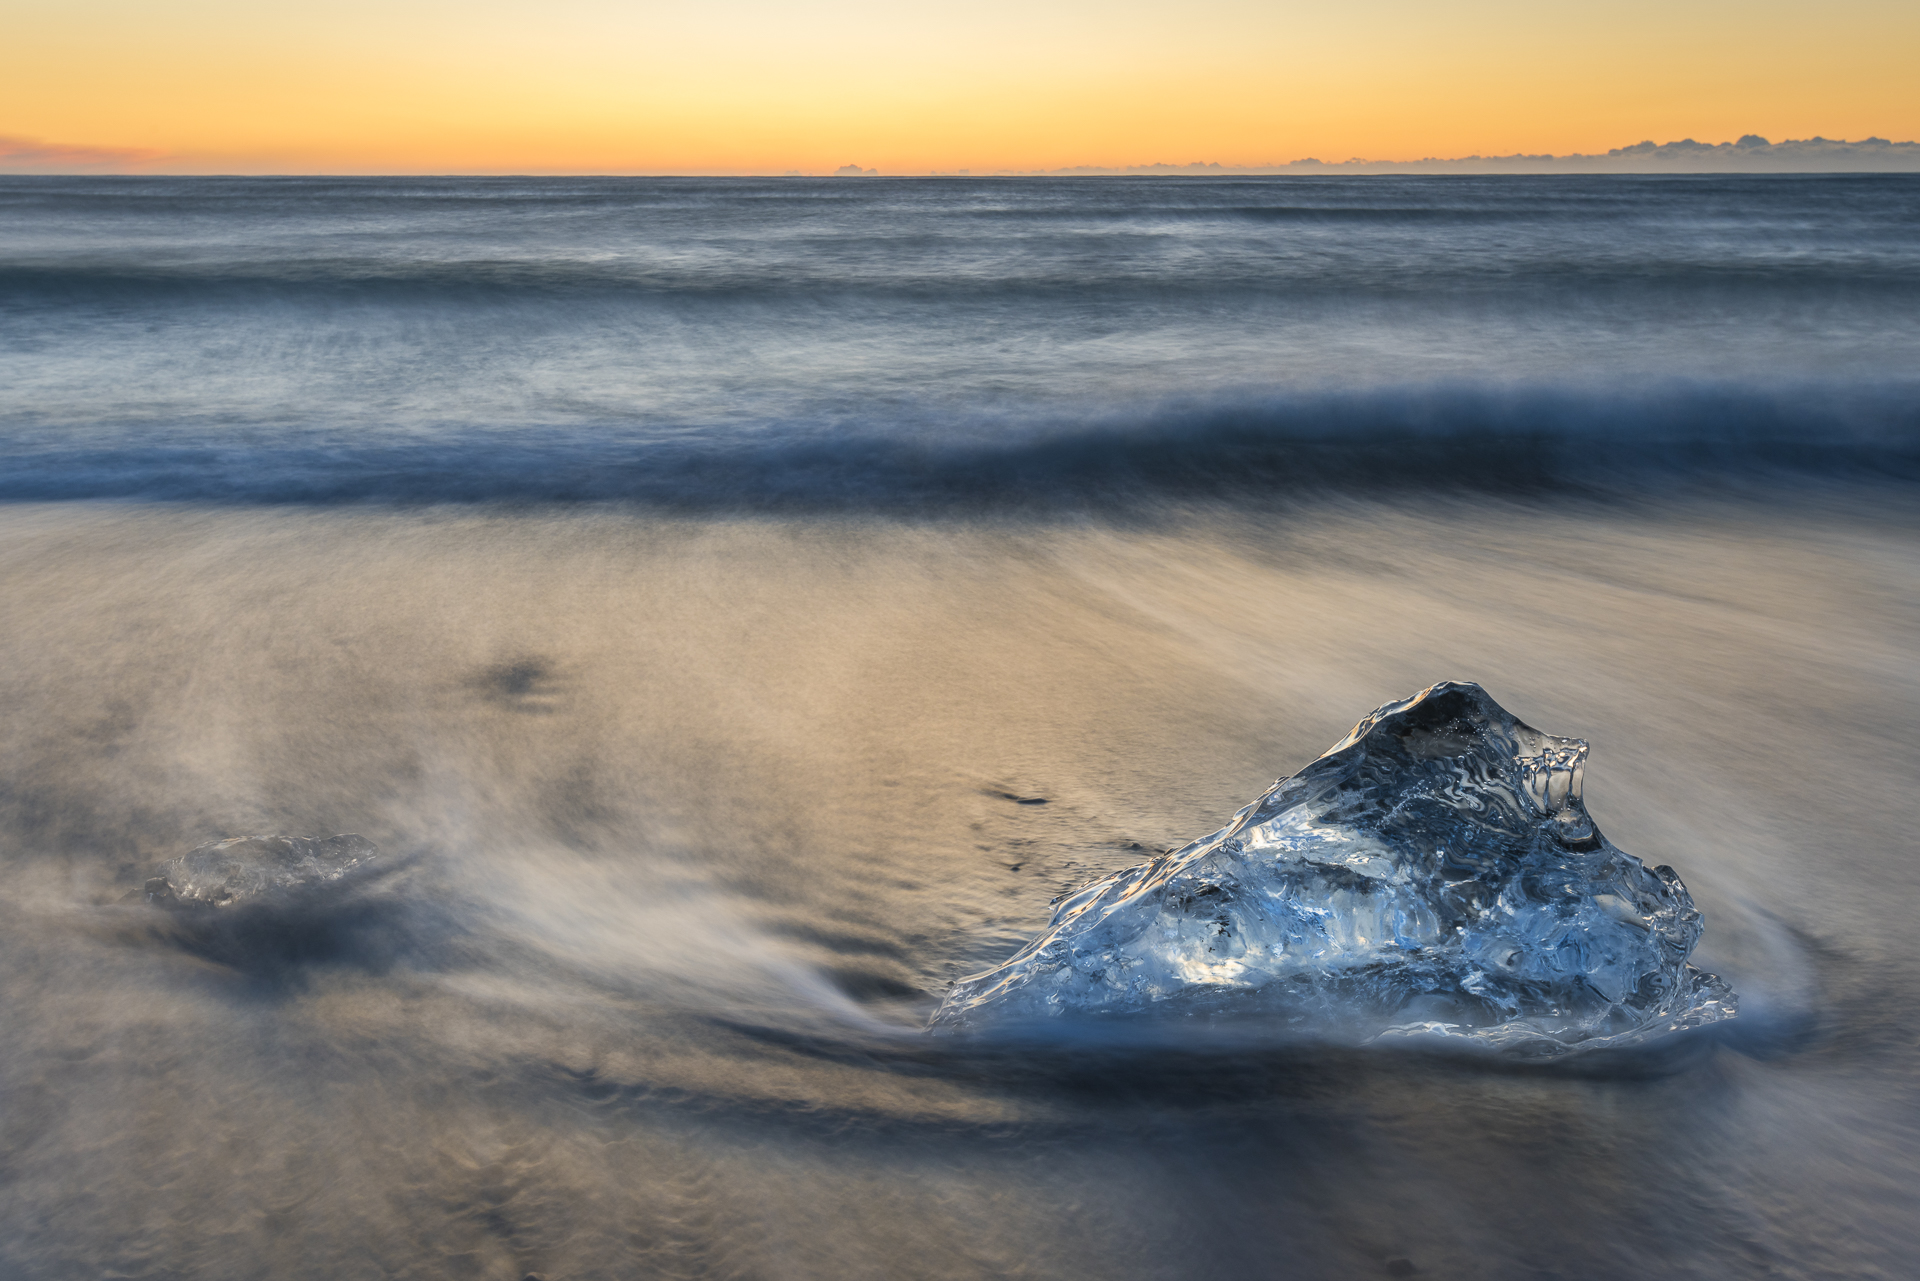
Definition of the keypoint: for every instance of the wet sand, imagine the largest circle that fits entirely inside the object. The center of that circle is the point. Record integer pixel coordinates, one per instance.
(692, 820)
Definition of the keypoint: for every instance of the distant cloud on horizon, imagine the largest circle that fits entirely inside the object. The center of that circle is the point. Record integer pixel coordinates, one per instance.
(34, 156)
(1750, 154)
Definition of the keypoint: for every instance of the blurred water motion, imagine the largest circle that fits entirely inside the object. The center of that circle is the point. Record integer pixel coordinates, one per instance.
(950, 545)
(646, 999)
(703, 344)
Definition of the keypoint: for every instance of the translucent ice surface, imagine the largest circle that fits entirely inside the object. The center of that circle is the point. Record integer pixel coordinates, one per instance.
(1433, 874)
(247, 869)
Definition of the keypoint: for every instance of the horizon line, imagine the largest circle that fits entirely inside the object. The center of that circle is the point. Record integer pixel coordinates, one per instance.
(1751, 153)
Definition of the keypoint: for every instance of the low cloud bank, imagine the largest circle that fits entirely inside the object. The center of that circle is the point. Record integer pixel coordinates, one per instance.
(30, 155)
(1751, 154)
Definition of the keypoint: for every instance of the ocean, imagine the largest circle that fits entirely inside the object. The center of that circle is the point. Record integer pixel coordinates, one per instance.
(736, 608)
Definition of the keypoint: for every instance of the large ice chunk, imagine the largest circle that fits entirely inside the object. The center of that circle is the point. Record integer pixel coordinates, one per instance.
(1435, 873)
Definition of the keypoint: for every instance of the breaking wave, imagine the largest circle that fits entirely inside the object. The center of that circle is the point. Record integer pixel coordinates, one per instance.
(1475, 439)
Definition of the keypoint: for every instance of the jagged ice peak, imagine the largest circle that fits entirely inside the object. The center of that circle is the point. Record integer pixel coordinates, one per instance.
(1435, 874)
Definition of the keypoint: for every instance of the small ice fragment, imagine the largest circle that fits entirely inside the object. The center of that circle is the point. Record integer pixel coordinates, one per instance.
(245, 869)
(1434, 874)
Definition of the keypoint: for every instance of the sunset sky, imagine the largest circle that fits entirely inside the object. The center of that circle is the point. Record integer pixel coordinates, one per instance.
(759, 86)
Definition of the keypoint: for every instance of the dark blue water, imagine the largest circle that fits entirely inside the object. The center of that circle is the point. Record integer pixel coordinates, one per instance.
(827, 342)
(915, 504)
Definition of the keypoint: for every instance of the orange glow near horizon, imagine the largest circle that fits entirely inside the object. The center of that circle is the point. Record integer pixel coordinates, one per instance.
(747, 86)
